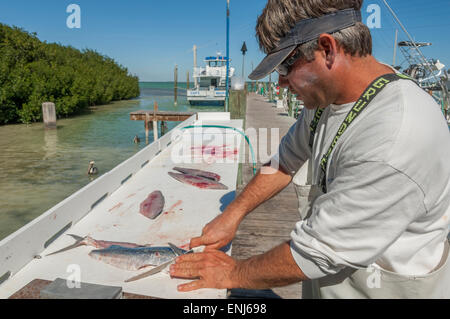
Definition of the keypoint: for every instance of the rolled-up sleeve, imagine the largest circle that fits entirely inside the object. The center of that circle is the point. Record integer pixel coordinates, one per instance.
(367, 207)
(294, 149)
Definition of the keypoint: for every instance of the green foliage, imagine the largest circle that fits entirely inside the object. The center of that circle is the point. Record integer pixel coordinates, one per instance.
(33, 72)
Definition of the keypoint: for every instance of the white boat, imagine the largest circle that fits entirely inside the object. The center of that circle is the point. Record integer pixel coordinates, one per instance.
(108, 208)
(210, 82)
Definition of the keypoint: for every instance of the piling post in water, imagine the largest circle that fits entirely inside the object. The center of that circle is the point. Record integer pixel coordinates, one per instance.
(175, 83)
(147, 123)
(155, 123)
(49, 115)
(187, 81)
(163, 127)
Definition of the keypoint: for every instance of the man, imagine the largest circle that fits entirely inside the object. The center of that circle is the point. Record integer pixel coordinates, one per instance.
(380, 150)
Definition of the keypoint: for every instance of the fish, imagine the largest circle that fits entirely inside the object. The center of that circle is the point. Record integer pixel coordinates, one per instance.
(198, 181)
(176, 250)
(197, 172)
(134, 258)
(89, 241)
(153, 205)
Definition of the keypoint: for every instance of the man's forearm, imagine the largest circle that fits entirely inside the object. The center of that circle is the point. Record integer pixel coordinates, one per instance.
(274, 268)
(261, 188)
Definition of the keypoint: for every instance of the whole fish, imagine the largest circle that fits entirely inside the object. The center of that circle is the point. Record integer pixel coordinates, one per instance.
(153, 205)
(134, 258)
(89, 241)
(197, 172)
(198, 181)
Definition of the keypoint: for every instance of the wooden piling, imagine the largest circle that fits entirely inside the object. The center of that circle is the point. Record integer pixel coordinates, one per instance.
(146, 122)
(238, 104)
(187, 81)
(155, 123)
(175, 83)
(163, 128)
(49, 115)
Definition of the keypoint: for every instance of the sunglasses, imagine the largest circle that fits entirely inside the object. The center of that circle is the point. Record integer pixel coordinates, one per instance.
(285, 67)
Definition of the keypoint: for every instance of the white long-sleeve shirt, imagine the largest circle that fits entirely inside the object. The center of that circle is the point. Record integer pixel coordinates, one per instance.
(388, 185)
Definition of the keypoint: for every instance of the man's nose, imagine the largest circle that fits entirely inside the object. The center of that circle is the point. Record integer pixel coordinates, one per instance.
(283, 82)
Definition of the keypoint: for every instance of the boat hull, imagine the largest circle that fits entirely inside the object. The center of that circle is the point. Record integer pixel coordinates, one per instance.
(207, 102)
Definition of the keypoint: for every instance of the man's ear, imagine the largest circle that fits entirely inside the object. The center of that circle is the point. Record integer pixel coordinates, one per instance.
(329, 48)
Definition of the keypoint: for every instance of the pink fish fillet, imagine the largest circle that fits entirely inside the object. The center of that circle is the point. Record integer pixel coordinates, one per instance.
(198, 181)
(153, 205)
(198, 172)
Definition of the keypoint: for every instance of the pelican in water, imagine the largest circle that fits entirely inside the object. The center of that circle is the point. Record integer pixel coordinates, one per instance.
(136, 139)
(92, 170)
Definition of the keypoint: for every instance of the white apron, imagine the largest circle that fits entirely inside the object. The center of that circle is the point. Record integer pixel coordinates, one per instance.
(372, 282)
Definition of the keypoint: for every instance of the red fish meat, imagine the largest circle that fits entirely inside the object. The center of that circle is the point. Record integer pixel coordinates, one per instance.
(198, 181)
(198, 172)
(153, 205)
(215, 151)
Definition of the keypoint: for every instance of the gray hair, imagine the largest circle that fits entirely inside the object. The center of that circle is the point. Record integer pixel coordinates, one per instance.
(279, 16)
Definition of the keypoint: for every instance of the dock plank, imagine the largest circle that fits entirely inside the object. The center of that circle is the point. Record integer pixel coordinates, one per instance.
(271, 223)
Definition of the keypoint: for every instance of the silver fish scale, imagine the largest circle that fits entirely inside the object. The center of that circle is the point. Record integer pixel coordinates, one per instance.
(133, 258)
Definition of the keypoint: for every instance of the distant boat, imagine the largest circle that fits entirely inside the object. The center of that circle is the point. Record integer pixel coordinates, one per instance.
(211, 82)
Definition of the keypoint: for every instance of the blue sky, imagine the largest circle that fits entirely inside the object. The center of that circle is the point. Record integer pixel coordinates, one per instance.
(150, 36)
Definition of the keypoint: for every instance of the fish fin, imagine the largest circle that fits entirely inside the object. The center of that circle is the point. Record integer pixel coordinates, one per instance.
(76, 237)
(176, 250)
(145, 266)
(79, 242)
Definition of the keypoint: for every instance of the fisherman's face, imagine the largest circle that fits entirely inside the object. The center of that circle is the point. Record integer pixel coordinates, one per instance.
(309, 81)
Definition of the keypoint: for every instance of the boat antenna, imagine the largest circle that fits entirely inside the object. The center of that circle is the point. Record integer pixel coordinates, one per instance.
(412, 40)
(228, 57)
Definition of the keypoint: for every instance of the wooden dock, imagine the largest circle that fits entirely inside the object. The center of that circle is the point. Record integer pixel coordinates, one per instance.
(270, 224)
(151, 115)
(154, 116)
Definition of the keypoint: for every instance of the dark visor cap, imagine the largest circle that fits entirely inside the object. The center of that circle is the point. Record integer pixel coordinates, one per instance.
(305, 31)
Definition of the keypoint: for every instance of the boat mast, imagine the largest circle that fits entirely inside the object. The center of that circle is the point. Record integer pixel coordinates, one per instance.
(412, 41)
(228, 55)
(395, 48)
(195, 65)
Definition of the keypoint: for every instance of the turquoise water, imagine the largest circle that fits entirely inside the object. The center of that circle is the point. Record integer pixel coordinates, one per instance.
(40, 168)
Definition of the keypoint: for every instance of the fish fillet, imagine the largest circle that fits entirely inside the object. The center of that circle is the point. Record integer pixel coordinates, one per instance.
(153, 205)
(198, 181)
(198, 172)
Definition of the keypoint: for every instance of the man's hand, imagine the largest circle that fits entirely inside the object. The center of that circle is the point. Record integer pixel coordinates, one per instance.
(221, 230)
(213, 269)
(217, 233)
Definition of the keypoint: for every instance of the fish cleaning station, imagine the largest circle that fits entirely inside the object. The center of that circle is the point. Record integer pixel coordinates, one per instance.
(139, 215)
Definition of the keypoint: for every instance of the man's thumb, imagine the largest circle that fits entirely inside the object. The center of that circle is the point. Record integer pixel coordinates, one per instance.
(196, 241)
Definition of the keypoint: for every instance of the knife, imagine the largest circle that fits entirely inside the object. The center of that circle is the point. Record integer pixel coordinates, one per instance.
(177, 251)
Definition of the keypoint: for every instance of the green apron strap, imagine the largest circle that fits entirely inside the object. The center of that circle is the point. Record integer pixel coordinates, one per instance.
(368, 95)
